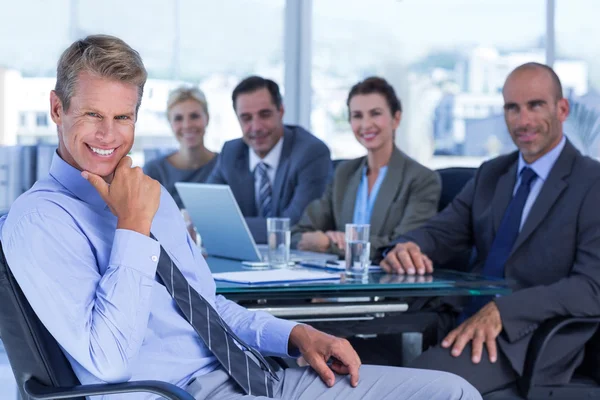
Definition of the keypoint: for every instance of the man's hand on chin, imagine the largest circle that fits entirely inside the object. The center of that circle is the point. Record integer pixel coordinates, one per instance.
(317, 348)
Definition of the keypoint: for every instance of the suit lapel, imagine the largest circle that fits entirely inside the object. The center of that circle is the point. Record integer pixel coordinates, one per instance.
(387, 192)
(503, 194)
(551, 190)
(282, 169)
(351, 187)
(245, 184)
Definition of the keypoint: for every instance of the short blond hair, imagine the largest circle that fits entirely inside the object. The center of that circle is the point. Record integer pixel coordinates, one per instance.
(100, 55)
(184, 93)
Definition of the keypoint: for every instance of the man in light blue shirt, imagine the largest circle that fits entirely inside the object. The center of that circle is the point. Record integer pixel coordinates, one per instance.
(85, 242)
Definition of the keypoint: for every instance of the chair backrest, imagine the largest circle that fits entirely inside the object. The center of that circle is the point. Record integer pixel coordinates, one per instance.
(337, 162)
(31, 350)
(453, 180)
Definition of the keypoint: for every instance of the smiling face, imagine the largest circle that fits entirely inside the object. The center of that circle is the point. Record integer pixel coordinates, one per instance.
(260, 119)
(188, 121)
(97, 130)
(372, 121)
(533, 112)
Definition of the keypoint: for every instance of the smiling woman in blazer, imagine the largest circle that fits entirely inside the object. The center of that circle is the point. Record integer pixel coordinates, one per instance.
(386, 188)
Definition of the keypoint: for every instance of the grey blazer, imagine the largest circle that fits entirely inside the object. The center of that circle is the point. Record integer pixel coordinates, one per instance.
(554, 266)
(301, 177)
(407, 198)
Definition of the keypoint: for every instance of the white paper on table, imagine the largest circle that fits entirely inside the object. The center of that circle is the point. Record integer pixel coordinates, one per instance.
(275, 276)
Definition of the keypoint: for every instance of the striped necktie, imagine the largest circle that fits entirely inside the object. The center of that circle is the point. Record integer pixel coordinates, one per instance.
(265, 192)
(246, 366)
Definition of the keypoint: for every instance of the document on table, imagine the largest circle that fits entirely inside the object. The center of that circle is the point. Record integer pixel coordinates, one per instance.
(273, 276)
(339, 265)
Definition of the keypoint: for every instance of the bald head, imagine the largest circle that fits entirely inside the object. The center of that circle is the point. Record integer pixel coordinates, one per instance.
(534, 109)
(556, 86)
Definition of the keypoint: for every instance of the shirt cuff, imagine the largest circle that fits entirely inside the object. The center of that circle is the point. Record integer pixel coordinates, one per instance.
(276, 337)
(136, 251)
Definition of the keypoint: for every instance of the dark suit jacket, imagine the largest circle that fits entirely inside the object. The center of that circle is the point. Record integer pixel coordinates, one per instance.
(554, 266)
(408, 197)
(302, 174)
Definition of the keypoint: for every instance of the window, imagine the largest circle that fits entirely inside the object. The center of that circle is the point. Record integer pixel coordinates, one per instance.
(41, 119)
(210, 44)
(447, 61)
(23, 120)
(578, 66)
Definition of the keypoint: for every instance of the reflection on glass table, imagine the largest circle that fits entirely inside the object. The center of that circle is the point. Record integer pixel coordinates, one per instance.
(440, 283)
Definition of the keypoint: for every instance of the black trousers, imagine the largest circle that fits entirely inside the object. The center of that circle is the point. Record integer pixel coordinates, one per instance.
(485, 376)
(556, 368)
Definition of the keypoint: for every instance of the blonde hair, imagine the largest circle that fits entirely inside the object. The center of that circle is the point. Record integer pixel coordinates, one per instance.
(101, 55)
(184, 93)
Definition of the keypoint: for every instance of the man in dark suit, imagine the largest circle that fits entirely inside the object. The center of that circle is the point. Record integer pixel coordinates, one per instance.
(533, 218)
(274, 170)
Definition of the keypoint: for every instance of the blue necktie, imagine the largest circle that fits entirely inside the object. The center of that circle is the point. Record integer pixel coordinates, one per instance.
(265, 193)
(506, 236)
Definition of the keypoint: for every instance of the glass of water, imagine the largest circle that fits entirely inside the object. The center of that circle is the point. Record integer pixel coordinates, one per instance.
(278, 238)
(191, 228)
(358, 250)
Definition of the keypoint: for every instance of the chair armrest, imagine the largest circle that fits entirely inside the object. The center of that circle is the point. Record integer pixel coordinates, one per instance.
(36, 390)
(538, 344)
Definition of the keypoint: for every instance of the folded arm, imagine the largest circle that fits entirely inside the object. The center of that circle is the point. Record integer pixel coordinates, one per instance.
(422, 204)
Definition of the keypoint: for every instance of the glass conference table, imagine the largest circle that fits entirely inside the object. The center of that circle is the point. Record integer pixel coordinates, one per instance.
(378, 295)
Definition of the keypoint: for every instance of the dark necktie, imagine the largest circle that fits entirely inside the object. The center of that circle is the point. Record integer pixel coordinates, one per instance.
(245, 366)
(506, 236)
(265, 192)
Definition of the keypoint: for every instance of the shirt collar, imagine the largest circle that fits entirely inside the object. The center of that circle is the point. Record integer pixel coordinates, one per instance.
(544, 164)
(382, 170)
(271, 159)
(70, 177)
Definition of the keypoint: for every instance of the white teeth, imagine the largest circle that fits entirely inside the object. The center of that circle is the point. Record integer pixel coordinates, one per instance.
(102, 152)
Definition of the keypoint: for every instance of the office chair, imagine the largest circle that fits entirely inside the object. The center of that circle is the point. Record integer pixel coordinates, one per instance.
(337, 162)
(453, 180)
(583, 385)
(39, 365)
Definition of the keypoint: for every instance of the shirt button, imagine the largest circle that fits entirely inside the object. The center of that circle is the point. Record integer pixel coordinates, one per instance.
(154, 258)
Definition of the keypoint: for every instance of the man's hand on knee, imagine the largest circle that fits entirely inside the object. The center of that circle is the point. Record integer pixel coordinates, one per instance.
(317, 348)
(482, 328)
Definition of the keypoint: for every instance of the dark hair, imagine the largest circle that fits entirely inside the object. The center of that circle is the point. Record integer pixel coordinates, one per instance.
(375, 84)
(254, 83)
(558, 90)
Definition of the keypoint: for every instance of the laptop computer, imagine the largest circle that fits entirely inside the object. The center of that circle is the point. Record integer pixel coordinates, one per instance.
(222, 227)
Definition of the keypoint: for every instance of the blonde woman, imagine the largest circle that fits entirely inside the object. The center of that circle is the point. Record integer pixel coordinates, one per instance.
(187, 110)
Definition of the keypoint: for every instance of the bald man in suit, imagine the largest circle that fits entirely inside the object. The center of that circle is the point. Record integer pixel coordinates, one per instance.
(533, 218)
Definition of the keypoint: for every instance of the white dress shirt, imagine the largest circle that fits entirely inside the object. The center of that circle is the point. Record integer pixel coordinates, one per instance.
(271, 159)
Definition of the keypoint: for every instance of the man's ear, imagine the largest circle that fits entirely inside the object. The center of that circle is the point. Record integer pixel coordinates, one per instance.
(563, 109)
(56, 108)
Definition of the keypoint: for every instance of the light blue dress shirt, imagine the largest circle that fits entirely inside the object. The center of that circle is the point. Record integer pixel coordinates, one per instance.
(542, 167)
(363, 207)
(94, 287)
